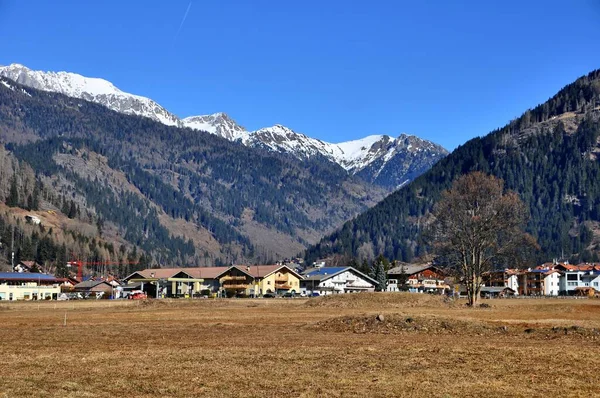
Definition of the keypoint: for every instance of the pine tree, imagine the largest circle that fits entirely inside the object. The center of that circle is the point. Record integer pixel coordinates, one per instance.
(36, 197)
(381, 277)
(13, 196)
(72, 210)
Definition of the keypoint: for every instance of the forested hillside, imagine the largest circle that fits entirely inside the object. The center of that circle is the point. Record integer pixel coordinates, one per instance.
(181, 196)
(67, 231)
(549, 156)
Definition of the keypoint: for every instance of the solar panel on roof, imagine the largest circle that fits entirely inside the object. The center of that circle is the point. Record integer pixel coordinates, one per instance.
(26, 275)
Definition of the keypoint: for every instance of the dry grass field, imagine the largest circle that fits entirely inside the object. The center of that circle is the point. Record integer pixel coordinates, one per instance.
(323, 347)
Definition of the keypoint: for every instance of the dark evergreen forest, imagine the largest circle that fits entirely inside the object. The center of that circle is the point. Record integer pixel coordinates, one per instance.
(549, 156)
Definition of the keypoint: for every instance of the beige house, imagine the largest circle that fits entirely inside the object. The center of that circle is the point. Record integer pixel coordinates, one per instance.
(165, 282)
(29, 286)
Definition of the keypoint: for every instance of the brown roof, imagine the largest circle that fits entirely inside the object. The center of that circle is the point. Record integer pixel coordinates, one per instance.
(409, 269)
(261, 271)
(255, 271)
(258, 271)
(209, 272)
(160, 273)
(194, 272)
(580, 267)
(29, 263)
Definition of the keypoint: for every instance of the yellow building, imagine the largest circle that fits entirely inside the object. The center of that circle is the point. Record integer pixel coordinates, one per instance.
(250, 280)
(29, 286)
(280, 280)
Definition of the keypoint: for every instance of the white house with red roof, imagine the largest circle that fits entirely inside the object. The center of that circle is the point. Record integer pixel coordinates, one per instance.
(578, 277)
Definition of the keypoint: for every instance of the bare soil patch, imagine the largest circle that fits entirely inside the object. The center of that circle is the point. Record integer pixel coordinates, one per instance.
(398, 324)
(381, 300)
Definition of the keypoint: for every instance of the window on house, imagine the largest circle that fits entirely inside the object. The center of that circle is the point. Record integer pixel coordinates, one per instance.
(268, 282)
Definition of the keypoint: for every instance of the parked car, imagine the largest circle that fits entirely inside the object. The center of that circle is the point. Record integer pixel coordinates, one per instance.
(289, 295)
(315, 294)
(269, 295)
(138, 295)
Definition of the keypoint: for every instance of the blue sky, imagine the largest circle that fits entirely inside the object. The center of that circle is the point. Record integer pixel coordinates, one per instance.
(335, 70)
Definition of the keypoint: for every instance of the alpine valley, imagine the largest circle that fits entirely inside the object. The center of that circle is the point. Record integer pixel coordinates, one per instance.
(114, 175)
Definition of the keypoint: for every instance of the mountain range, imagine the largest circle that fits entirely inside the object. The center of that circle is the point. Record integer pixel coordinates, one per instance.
(379, 159)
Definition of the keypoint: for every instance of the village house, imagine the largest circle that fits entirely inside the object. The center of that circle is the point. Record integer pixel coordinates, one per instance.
(28, 266)
(280, 280)
(97, 288)
(333, 280)
(577, 278)
(420, 278)
(164, 282)
(257, 280)
(29, 286)
(504, 278)
(541, 281)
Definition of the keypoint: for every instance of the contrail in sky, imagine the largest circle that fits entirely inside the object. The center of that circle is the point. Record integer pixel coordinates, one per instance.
(183, 20)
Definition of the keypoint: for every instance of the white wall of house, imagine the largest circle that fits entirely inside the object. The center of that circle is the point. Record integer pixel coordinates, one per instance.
(513, 282)
(345, 282)
(570, 280)
(28, 291)
(595, 282)
(392, 286)
(590, 280)
(552, 284)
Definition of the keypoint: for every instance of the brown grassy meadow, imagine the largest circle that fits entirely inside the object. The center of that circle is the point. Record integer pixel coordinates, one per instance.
(323, 347)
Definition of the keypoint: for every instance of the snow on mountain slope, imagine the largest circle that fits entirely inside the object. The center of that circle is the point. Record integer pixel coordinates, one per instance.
(375, 152)
(282, 139)
(218, 124)
(91, 89)
(379, 159)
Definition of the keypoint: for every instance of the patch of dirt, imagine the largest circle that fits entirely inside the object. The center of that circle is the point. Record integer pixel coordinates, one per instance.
(383, 300)
(398, 324)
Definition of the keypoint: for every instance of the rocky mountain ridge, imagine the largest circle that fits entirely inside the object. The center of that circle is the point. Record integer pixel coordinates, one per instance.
(380, 159)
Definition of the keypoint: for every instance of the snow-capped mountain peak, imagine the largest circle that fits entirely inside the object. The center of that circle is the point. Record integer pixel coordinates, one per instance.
(218, 124)
(91, 89)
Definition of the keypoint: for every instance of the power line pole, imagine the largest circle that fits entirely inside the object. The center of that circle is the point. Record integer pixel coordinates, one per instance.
(12, 250)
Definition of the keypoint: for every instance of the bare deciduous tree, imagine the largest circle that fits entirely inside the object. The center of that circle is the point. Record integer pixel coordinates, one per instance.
(479, 226)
